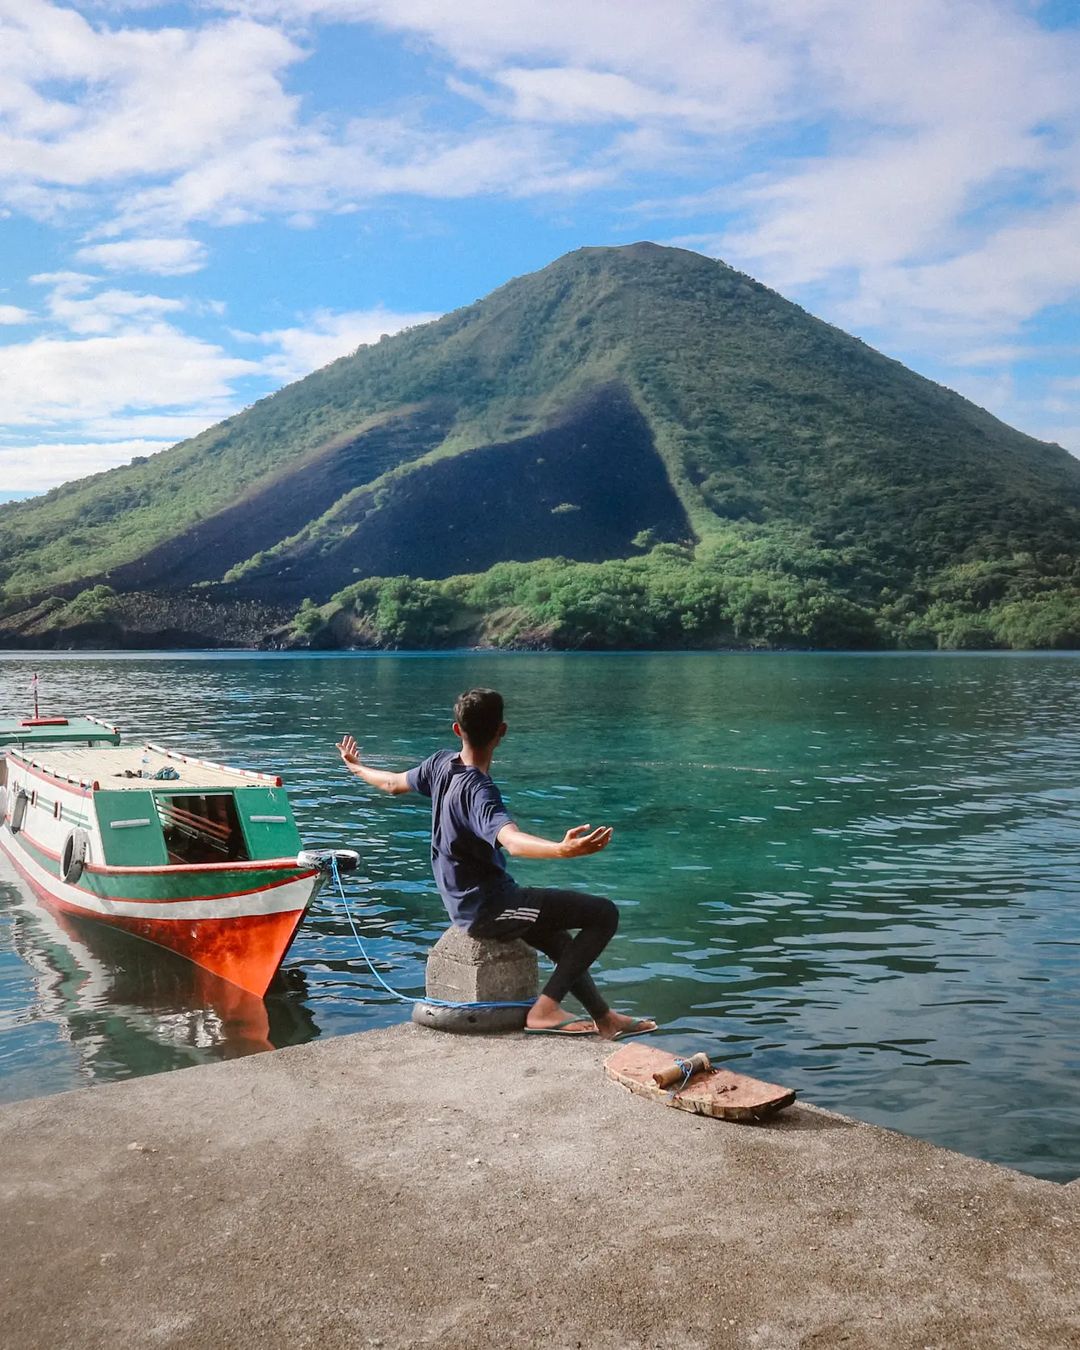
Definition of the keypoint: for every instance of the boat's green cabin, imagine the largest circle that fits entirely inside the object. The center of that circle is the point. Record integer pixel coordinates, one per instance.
(157, 827)
(154, 806)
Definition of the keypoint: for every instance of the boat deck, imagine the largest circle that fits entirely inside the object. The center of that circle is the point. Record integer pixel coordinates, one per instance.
(109, 766)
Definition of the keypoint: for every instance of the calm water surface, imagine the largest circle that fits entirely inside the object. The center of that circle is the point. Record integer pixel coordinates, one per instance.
(853, 874)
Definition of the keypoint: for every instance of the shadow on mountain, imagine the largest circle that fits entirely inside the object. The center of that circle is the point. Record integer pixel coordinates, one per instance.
(581, 490)
(288, 503)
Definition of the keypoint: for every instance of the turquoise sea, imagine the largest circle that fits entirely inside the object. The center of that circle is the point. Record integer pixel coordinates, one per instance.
(854, 874)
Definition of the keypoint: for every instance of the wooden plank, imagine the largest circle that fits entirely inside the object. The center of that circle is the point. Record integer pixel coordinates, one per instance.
(719, 1092)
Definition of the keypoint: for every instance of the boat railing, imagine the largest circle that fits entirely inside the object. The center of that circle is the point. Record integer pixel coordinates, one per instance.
(43, 771)
(113, 731)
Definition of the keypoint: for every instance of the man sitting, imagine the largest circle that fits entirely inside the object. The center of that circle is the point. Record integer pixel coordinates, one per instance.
(470, 828)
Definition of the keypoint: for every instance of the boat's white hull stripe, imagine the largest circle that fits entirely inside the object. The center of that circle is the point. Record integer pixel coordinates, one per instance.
(293, 895)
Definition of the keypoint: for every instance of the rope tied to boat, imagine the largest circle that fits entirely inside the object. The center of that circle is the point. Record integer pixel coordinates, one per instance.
(405, 998)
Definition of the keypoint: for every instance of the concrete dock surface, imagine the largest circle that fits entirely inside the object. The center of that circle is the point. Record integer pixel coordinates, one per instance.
(410, 1188)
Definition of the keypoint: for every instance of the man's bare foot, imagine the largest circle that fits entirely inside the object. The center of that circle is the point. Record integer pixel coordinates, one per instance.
(613, 1026)
(547, 1015)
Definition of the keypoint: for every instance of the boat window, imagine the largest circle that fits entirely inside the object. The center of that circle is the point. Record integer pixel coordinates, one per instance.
(202, 829)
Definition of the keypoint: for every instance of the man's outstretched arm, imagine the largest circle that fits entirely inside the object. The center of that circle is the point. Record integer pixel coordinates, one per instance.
(394, 783)
(575, 843)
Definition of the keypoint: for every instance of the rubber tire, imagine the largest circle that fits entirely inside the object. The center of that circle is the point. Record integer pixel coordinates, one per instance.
(18, 810)
(74, 857)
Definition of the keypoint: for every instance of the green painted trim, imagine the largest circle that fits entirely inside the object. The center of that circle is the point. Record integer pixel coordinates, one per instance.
(42, 859)
(276, 837)
(164, 885)
(138, 846)
(179, 885)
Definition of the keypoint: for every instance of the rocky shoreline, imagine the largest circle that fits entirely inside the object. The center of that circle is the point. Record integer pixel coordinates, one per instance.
(194, 619)
(146, 621)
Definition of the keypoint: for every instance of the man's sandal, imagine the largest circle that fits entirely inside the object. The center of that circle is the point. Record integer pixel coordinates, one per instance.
(563, 1028)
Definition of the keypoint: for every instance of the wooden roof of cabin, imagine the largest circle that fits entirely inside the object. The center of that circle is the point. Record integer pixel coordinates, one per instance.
(108, 766)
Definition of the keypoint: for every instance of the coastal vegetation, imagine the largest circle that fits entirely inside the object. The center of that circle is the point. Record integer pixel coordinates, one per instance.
(717, 595)
(632, 447)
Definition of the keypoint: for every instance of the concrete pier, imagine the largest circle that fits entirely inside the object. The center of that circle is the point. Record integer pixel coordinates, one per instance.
(407, 1188)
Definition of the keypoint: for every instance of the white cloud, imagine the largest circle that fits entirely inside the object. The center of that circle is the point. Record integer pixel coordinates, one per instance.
(930, 115)
(71, 304)
(940, 106)
(897, 198)
(327, 336)
(104, 398)
(51, 380)
(13, 314)
(165, 428)
(681, 46)
(310, 173)
(83, 105)
(47, 464)
(161, 257)
(1002, 354)
(909, 170)
(196, 124)
(570, 94)
(124, 381)
(964, 159)
(992, 287)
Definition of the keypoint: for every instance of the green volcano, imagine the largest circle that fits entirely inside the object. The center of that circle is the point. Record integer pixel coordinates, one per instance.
(669, 452)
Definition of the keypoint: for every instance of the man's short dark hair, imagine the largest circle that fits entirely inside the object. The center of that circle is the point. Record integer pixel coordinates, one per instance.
(479, 714)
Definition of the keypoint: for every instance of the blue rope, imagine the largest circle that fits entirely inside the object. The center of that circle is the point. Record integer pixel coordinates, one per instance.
(688, 1073)
(407, 998)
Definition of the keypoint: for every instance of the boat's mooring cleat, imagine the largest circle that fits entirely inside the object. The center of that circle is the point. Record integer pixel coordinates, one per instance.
(327, 860)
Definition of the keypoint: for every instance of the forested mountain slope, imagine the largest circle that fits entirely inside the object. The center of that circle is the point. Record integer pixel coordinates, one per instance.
(663, 424)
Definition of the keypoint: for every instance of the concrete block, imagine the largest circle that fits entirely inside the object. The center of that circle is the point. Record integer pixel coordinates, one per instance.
(462, 969)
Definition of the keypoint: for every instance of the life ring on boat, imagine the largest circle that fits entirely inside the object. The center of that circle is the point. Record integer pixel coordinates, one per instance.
(74, 857)
(326, 859)
(18, 810)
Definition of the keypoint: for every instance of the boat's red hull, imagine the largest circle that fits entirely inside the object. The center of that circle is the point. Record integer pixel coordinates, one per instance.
(245, 949)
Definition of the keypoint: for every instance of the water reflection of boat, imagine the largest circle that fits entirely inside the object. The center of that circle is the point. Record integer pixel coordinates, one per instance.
(128, 1008)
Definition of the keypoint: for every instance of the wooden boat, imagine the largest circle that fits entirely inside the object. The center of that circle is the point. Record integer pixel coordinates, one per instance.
(200, 858)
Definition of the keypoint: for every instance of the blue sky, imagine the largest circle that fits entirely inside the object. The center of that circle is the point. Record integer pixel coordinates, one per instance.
(200, 202)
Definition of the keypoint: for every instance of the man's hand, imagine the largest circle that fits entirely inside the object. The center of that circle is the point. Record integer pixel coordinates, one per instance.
(575, 843)
(348, 751)
(583, 839)
(394, 783)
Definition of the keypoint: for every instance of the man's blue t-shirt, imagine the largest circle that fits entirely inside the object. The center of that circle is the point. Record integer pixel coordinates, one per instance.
(467, 814)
